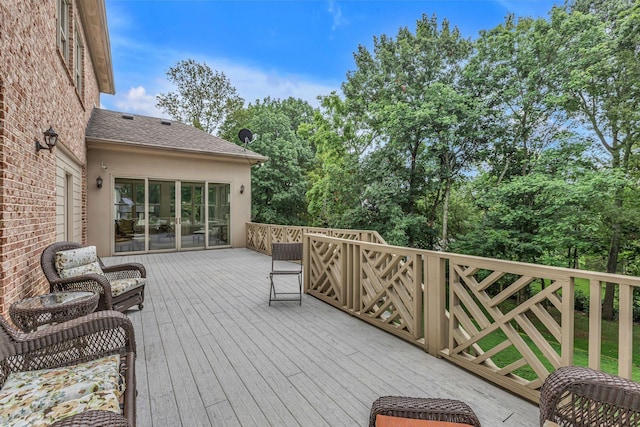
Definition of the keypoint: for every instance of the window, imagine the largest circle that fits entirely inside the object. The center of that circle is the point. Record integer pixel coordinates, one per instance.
(63, 28)
(79, 55)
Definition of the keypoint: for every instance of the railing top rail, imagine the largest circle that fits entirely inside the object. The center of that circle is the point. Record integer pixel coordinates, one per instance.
(374, 233)
(537, 270)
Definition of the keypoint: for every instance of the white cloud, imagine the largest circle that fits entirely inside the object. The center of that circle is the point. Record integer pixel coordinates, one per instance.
(138, 101)
(251, 83)
(255, 84)
(336, 12)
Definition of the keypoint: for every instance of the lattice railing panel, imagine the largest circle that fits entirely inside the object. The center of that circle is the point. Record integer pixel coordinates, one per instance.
(492, 313)
(278, 234)
(294, 234)
(258, 238)
(325, 270)
(389, 291)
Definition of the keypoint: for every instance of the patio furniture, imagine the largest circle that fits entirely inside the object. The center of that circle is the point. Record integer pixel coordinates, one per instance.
(581, 397)
(282, 256)
(397, 411)
(97, 351)
(71, 266)
(30, 313)
(94, 419)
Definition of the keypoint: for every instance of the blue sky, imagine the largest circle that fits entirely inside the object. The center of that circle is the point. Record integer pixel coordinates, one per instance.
(299, 48)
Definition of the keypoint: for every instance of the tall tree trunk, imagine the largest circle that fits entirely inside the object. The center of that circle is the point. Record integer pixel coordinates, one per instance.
(445, 214)
(612, 263)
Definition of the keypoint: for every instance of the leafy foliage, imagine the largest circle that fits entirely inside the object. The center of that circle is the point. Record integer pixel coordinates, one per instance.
(203, 97)
(408, 93)
(280, 184)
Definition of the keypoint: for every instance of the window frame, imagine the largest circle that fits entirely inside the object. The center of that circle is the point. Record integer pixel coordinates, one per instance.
(64, 28)
(78, 66)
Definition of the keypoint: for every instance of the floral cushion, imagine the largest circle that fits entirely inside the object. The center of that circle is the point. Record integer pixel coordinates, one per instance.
(92, 268)
(47, 395)
(120, 286)
(75, 262)
(98, 401)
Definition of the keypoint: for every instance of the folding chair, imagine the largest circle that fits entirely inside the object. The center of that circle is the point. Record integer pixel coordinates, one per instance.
(282, 254)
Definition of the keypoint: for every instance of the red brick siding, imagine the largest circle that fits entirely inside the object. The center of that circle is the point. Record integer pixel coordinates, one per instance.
(36, 90)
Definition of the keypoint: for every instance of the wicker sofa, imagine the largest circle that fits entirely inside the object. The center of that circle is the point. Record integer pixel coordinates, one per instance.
(45, 375)
(120, 286)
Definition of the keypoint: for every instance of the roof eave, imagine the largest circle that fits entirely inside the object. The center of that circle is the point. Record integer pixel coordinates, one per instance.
(100, 143)
(93, 14)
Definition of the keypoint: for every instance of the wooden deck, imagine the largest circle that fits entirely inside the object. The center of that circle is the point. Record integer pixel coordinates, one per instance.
(211, 352)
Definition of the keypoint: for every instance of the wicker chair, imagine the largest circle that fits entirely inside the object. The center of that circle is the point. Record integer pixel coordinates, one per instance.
(69, 343)
(419, 408)
(577, 396)
(95, 282)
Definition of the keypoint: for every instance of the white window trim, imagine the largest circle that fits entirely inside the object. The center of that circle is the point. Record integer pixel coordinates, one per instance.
(79, 64)
(63, 28)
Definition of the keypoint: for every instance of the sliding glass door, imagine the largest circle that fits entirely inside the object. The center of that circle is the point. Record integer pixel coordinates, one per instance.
(129, 214)
(192, 215)
(162, 215)
(146, 218)
(219, 212)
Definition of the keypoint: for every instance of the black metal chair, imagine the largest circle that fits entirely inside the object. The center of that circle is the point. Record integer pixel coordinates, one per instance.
(282, 257)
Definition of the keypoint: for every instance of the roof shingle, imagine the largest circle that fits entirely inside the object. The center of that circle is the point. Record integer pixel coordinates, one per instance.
(153, 132)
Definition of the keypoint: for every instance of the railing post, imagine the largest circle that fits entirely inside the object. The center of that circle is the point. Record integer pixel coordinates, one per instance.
(568, 322)
(344, 271)
(434, 303)
(356, 278)
(625, 331)
(306, 262)
(595, 323)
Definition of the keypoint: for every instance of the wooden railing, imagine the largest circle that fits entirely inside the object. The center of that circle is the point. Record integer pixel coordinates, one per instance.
(470, 310)
(261, 236)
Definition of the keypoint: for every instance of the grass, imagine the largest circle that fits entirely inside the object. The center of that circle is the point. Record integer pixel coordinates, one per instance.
(609, 347)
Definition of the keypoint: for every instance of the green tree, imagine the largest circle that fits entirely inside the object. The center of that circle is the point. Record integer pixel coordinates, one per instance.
(509, 74)
(335, 185)
(280, 184)
(596, 79)
(534, 218)
(408, 92)
(203, 97)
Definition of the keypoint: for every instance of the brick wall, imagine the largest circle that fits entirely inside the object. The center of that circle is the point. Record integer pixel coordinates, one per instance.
(36, 91)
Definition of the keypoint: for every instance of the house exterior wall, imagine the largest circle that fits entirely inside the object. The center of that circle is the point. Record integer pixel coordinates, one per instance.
(124, 162)
(37, 90)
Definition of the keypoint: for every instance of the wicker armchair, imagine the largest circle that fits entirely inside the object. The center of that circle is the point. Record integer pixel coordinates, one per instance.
(577, 396)
(95, 282)
(419, 408)
(84, 339)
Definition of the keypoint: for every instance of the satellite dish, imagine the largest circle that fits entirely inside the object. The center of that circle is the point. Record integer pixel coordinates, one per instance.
(245, 136)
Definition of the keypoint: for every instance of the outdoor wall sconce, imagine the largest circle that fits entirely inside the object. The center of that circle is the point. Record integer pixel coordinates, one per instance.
(99, 182)
(50, 140)
(242, 189)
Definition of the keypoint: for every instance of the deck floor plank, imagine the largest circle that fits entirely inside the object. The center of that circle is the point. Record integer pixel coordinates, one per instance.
(212, 352)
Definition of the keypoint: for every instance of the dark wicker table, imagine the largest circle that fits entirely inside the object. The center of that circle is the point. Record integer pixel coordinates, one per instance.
(56, 307)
